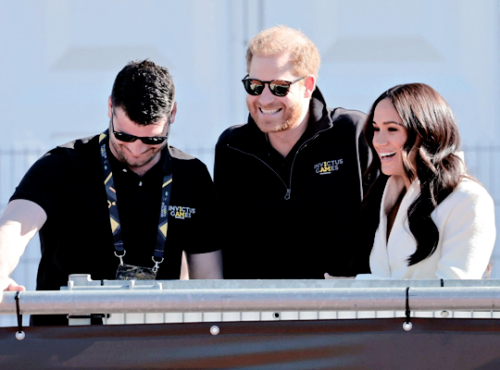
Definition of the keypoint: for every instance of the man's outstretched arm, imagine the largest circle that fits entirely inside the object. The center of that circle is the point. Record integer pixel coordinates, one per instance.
(18, 224)
(205, 265)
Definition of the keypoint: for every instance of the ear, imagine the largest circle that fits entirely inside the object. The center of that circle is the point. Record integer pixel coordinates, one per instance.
(110, 108)
(173, 113)
(310, 85)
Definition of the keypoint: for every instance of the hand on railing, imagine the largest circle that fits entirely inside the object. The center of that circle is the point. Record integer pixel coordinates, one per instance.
(9, 285)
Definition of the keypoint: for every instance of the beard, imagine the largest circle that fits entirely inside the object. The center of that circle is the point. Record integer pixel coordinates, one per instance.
(123, 156)
(290, 118)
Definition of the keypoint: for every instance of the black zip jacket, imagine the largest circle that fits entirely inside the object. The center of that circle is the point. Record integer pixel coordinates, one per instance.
(296, 219)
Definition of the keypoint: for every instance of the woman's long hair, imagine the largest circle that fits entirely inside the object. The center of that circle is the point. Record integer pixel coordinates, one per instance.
(433, 137)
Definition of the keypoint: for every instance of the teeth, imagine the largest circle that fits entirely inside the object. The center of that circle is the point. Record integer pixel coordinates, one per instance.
(269, 111)
(387, 154)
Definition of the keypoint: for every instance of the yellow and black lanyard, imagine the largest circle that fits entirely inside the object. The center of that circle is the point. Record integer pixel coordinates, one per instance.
(114, 217)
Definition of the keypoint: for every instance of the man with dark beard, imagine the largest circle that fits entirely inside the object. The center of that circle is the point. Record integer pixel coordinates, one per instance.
(122, 204)
(289, 180)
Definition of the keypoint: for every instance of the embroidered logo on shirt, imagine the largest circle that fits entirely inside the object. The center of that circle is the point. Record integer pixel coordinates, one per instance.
(181, 212)
(327, 167)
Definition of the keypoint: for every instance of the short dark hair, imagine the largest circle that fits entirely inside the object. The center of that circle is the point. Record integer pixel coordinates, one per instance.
(145, 91)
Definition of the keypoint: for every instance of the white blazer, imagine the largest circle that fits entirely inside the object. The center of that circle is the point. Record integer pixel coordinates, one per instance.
(466, 224)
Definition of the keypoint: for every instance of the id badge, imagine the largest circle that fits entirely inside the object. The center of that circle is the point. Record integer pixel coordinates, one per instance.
(131, 272)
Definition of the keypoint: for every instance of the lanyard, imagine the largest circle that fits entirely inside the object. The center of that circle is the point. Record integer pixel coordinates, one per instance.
(114, 217)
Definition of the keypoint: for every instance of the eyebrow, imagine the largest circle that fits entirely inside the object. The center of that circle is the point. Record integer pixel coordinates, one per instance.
(389, 122)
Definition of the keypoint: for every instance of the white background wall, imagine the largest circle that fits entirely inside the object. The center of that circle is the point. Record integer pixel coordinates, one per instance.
(58, 60)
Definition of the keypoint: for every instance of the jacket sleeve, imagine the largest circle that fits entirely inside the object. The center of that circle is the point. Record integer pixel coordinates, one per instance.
(223, 179)
(468, 235)
(357, 121)
(364, 153)
(227, 193)
(220, 172)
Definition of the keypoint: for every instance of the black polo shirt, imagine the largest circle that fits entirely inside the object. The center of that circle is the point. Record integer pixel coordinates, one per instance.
(68, 183)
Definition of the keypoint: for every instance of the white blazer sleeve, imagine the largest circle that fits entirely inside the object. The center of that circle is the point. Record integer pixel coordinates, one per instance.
(468, 235)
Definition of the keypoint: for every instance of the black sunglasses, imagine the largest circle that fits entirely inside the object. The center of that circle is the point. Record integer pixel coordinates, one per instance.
(277, 87)
(127, 138)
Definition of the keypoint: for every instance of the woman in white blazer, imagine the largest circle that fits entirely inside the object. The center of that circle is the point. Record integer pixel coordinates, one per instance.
(423, 217)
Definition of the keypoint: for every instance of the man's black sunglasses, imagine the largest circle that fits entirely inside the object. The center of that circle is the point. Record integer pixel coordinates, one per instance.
(277, 87)
(127, 138)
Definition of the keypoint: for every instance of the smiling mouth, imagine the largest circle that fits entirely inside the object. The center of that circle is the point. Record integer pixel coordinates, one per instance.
(269, 111)
(387, 155)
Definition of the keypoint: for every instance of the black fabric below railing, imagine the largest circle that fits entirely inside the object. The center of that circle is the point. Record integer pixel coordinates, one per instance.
(341, 344)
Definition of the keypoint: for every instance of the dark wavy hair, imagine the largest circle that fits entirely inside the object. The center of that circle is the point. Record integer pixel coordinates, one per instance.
(145, 91)
(433, 136)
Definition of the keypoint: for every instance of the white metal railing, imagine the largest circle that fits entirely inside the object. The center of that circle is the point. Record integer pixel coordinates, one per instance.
(257, 300)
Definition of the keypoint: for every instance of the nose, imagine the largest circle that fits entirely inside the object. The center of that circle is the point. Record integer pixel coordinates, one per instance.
(379, 139)
(267, 96)
(137, 147)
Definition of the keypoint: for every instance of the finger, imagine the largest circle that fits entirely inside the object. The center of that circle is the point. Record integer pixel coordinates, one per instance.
(14, 287)
(327, 275)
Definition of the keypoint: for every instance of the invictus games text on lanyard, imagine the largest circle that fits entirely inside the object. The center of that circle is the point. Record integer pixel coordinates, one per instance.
(124, 271)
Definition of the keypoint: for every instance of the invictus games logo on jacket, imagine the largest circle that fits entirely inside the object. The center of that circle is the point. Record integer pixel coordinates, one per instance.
(181, 212)
(324, 168)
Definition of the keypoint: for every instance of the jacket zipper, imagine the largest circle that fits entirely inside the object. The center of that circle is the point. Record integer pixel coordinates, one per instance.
(288, 188)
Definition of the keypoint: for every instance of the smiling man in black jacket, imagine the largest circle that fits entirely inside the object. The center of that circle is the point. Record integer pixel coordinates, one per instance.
(289, 180)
